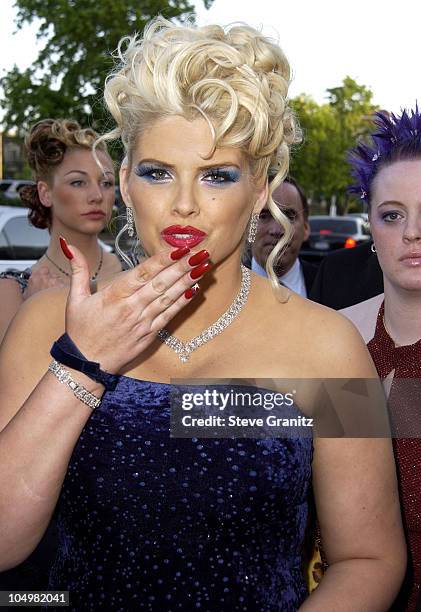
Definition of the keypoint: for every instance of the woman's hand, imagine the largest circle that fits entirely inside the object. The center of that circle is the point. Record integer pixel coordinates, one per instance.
(42, 278)
(117, 323)
(112, 327)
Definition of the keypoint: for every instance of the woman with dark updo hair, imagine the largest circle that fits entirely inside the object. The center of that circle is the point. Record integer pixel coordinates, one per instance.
(72, 197)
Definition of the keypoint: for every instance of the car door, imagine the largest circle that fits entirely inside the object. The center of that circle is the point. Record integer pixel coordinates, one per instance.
(21, 241)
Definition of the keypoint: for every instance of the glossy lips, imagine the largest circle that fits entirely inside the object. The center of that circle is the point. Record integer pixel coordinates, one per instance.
(182, 236)
(411, 260)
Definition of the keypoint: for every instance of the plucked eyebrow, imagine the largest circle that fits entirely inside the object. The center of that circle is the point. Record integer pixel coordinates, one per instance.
(206, 167)
(86, 173)
(389, 202)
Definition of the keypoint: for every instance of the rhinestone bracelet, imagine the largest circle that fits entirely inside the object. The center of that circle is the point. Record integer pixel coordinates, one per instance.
(79, 391)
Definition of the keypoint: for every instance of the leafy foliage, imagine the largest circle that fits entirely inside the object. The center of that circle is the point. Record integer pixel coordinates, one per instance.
(66, 78)
(330, 130)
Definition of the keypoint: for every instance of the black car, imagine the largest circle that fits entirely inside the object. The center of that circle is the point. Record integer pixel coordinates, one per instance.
(331, 233)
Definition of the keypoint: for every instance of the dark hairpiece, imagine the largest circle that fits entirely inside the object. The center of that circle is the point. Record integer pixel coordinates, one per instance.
(398, 138)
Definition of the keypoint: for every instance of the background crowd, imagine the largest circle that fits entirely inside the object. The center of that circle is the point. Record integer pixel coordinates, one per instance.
(376, 285)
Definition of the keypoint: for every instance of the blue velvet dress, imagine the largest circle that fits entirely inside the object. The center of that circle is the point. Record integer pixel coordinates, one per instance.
(149, 522)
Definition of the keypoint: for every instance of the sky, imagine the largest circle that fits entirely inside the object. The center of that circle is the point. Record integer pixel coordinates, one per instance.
(375, 42)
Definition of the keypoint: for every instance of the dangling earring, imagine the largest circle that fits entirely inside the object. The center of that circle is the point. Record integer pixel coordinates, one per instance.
(373, 248)
(130, 221)
(254, 221)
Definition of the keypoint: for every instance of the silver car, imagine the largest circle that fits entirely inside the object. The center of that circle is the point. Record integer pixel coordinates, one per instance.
(22, 244)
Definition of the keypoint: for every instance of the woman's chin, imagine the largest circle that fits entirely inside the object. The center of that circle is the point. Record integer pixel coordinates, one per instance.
(412, 284)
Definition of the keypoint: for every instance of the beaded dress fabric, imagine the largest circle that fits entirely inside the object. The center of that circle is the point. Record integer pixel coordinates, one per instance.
(149, 522)
(21, 277)
(405, 410)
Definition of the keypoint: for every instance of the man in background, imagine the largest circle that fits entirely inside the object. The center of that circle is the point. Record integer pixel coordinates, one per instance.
(347, 277)
(295, 274)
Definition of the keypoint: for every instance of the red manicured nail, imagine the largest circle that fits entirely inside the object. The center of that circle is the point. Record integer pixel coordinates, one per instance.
(200, 270)
(198, 258)
(191, 292)
(68, 253)
(179, 253)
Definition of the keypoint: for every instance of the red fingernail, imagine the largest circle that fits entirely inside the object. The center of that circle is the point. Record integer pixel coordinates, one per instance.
(68, 253)
(200, 270)
(179, 253)
(191, 292)
(198, 258)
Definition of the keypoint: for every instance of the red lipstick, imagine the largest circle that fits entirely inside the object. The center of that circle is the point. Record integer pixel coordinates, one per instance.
(183, 235)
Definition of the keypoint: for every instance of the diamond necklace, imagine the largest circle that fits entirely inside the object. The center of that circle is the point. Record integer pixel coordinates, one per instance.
(92, 279)
(184, 349)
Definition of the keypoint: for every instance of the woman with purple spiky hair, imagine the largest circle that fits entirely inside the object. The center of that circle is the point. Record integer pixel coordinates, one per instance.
(387, 176)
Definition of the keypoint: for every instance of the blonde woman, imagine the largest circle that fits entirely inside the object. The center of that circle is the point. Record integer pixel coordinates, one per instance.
(149, 521)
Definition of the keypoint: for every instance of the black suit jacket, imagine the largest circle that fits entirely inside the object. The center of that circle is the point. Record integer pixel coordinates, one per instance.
(347, 277)
(309, 273)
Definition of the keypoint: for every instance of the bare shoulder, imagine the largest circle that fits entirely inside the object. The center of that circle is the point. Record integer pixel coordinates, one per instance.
(337, 342)
(364, 315)
(41, 315)
(24, 353)
(9, 285)
(10, 294)
(11, 300)
(321, 340)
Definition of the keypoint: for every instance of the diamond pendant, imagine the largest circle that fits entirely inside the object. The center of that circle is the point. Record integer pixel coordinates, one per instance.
(184, 350)
(176, 345)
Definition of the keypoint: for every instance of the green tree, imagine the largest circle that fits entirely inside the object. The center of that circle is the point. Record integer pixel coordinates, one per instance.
(329, 131)
(66, 78)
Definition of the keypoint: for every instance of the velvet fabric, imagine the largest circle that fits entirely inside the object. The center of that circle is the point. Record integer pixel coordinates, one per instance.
(150, 522)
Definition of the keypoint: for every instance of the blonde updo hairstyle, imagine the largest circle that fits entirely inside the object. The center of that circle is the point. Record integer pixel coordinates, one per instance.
(235, 78)
(45, 147)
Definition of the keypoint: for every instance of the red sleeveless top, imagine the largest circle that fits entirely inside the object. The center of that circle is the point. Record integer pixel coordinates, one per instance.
(405, 416)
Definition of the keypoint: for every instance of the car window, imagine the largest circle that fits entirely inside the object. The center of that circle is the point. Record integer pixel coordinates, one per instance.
(20, 240)
(336, 226)
(4, 185)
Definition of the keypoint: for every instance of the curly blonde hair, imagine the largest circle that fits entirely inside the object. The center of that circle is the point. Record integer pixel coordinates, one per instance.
(235, 78)
(46, 144)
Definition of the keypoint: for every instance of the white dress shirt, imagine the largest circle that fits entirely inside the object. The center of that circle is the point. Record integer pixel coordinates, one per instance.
(293, 279)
